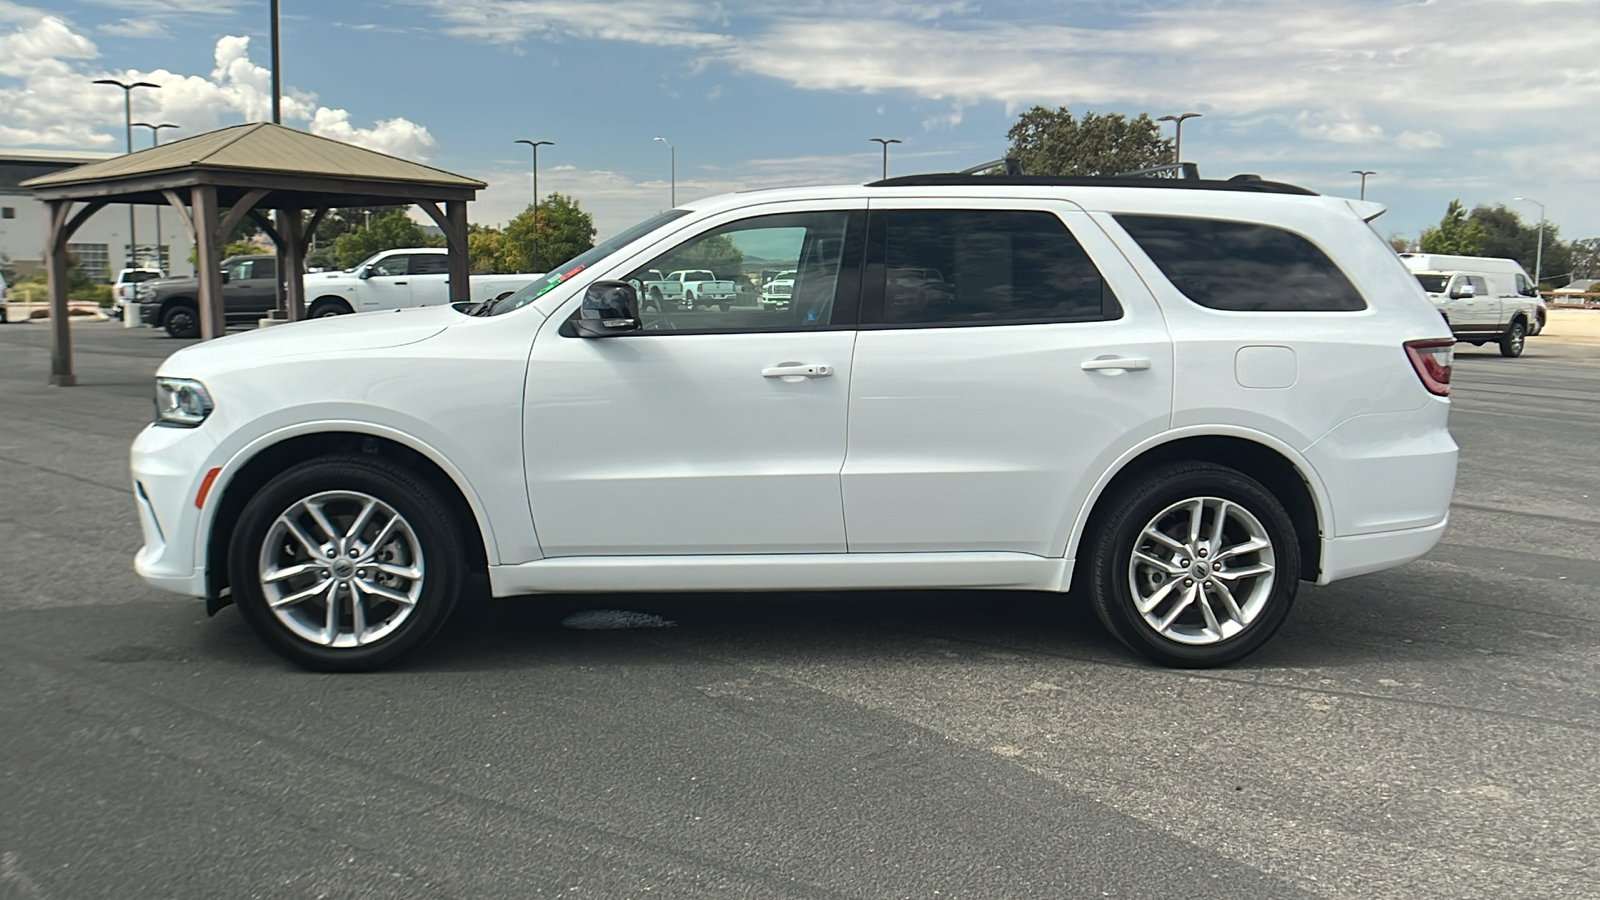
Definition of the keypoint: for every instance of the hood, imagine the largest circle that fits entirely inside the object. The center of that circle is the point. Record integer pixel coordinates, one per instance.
(324, 337)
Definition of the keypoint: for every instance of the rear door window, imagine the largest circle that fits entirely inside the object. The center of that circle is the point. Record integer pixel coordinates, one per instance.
(962, 267)
(430, 264)
(1242, 267)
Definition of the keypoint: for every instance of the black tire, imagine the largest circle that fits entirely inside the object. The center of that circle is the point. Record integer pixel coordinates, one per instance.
(181, 320)
(329, 306)
(1511, 342)
(1116, 533)
(431, 524)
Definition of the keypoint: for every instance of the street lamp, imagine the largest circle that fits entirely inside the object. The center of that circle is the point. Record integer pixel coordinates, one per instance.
(536, 145)
(1177, 141)
(672, 192)
(1538, 253)
(127, 114)
(886, 142)
(1363, 173)
(155, 141)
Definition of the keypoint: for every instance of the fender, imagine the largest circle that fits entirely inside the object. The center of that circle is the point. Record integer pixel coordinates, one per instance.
(1319, 491)
(245, 454)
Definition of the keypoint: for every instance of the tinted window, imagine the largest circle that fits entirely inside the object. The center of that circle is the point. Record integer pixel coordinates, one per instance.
(1433, 284)
(1243, 267)
(430, 264)
(814, 244)
(264, 268)
(391, 265)
(984, 267)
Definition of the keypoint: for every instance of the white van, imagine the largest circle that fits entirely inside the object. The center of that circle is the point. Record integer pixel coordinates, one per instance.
(1506, 278)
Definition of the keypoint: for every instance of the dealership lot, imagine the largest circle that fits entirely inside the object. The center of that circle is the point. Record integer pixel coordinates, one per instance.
(1426, 732)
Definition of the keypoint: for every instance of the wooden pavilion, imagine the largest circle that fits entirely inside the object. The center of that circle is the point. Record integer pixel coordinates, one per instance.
(216, 179)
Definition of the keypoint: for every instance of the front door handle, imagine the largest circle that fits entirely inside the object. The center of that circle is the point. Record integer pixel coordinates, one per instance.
(797, 370)
(402, 282)
(1128, 363)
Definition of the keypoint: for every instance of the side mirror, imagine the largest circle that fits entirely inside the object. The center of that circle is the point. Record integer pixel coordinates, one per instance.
(1465, 290)
(609, 308)
(224, 276)
(365, 273)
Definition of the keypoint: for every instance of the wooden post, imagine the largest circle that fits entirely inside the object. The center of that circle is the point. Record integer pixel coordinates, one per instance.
(208, 265)
(455, 213)
(61, 373)
(293, 273)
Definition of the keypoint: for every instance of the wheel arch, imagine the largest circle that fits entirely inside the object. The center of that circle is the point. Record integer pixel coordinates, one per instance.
(258, 463)
(329, 298)
(1277, 466)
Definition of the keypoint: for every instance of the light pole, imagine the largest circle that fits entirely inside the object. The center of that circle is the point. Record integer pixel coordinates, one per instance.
(672, 192)
(155, 141)
(127, 114)
(536, 145)
(1363, 173)
(1538, 253)
(886, 142)
(1177, 140)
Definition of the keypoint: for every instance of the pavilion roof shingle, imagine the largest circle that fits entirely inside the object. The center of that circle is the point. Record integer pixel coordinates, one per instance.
(258, 148)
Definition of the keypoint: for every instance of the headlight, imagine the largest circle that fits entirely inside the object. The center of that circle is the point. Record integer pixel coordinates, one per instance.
(143, 291)
(182, 401)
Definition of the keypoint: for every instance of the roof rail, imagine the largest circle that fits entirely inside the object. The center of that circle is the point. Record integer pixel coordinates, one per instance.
(1165, 170)
(960, 179)
(1009, 165)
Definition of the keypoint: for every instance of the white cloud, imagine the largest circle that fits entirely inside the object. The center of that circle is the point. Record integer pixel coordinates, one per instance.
(658, 22)
(50, 100)
(136, 28)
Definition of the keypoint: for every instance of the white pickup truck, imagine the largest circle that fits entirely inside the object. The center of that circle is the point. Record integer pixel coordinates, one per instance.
(1483, 299)
(698, 287)
(394, 279)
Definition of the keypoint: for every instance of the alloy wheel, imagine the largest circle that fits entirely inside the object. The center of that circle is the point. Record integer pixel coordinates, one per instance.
(341, 569)
(1202, 571)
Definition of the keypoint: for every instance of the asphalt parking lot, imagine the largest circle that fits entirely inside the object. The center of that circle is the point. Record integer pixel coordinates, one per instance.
(1428, 732)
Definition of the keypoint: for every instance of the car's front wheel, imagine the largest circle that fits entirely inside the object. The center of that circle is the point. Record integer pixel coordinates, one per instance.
(1194, 565)
(329, 306)
(181, 321)
(345, 562)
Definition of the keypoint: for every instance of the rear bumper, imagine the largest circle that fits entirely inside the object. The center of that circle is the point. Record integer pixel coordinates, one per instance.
(1346, 557)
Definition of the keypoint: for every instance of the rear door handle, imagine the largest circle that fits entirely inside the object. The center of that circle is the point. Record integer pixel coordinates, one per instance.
(797, 370)
(1116, 362)
(401, 282)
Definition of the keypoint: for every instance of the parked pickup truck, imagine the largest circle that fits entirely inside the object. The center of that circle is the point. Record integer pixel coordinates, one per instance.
(393, 279)
(249, 291)
(699, 287)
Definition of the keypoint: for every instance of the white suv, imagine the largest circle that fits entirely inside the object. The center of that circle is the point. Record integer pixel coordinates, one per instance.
(1181, 398)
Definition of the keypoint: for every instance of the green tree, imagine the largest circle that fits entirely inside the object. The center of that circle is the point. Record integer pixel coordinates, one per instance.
(1585, 257)
(1507, 236)
(1052, 142)
(489, 251)
(717, 253)
(1456, 234)
(390, 231)
(564, 231)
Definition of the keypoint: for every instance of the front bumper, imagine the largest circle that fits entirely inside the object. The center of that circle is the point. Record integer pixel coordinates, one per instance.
(149, 314)
(168, 466)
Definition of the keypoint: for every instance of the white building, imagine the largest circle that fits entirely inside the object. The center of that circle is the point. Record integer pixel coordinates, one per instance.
(101, 245)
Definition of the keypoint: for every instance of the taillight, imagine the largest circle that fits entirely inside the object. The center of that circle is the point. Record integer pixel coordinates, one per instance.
(1432, 360)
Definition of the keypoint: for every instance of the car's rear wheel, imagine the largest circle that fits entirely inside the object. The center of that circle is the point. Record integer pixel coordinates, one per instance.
(181, 321)
(1193, 565)
(1511, 342)
(346, 562)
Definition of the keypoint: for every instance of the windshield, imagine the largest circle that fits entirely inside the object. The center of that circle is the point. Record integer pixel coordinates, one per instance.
(1433, 284)
(580, 262)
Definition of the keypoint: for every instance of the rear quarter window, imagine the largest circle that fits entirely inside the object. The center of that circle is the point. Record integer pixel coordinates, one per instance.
(1242, 267)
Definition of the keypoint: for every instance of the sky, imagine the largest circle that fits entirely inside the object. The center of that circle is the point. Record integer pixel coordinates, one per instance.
(1482, 100)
